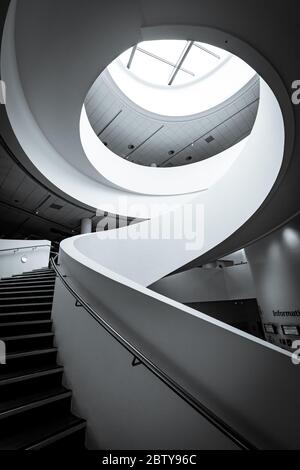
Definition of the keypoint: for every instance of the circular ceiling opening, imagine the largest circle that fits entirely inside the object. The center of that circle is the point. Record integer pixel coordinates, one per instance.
(172, 62)
(169, 103)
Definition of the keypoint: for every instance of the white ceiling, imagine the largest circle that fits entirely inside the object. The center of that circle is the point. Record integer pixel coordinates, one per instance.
(120, 123)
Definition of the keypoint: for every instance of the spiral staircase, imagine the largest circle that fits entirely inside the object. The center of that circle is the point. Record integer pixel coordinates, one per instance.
(104, 277)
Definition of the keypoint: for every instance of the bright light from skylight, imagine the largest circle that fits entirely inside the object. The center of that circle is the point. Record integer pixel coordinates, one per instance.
(156, 62)
(179, 78)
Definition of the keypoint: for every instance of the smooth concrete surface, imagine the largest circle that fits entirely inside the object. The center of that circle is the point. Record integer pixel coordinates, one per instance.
(150, 250)
(126, 407)
(35, 258)
(275, 265)
(208, 284)
(243, 379)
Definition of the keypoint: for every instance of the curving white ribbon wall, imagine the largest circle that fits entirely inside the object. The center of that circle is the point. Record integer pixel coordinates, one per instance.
(222, 210)
(225, 191)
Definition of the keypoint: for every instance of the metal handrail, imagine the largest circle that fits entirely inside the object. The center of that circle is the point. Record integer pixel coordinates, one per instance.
(24, 248)
(241, 442)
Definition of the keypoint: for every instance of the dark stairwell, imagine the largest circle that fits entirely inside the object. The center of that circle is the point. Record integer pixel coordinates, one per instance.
(35, 408)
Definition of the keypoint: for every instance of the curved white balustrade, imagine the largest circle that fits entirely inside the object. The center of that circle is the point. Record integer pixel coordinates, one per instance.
(208, 218)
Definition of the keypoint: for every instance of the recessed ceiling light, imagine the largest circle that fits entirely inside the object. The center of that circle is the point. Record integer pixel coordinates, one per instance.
(57, 207)
(171, 152)
(188, 159)
(131, 147)
(209, 139)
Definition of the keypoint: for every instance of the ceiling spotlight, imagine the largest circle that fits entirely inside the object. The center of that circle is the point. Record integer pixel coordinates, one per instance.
(171, 152)
(131, 147)
(209, 139)
(188, 159)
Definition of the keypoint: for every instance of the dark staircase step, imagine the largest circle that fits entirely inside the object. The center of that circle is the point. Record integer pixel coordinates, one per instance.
(4, 300)
(42, 270)
(24, 360)
(31, 342)
(14, 407)
(25, 306)
(23, 278)
(25, 316)
(22, 286)
(14, 387)
(35, 409)
(27, 290)
(19, 294)
(25, 282)
(29, 373)
(25, 327)
(48, 434)
(33, 275)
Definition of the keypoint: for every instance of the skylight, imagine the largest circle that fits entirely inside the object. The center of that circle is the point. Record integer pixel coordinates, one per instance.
(177, 77)
(172, 62)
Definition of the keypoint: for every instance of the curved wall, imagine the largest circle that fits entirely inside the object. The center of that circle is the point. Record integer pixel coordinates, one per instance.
(275, 265)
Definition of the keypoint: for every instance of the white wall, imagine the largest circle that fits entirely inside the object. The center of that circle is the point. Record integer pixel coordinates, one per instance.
(208, 285)
(10, 261)
(125, 407)
(275, 264)
(241, 378)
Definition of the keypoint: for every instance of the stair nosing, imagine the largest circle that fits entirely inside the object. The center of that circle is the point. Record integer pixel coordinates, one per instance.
(24, 305)
(31, 375)
(57, 436)
(34, 352)
(35, 404)
(21, 337)
(25, 323)
(31, 312)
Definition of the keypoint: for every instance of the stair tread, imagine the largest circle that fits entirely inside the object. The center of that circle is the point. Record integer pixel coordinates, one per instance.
(27, 276)
(41, 270)
(36, 275)
(25, 305)
(16, 405)
(27, 279)
(35, 407)
(37, 433)
(21, 291)
(27, 312)
(29, 297)
(25, 323)
(33, 352)
(18, 376)
(22, 336)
